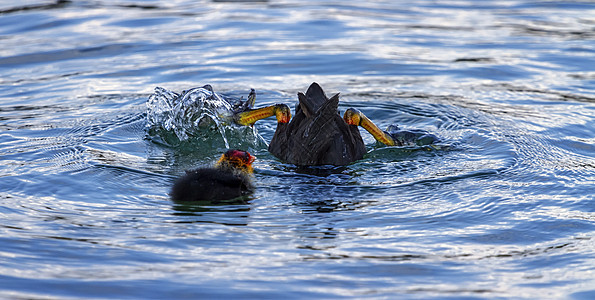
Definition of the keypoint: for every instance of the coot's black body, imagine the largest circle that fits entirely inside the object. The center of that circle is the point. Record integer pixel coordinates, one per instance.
(317, 135)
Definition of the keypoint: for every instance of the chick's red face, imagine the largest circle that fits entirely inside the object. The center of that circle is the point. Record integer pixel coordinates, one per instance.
(244, 156)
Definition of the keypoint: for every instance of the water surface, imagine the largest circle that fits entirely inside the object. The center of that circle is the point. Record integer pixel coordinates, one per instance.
(506, 211)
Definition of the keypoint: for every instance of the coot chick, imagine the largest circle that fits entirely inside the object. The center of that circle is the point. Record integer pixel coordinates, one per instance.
(229, 179)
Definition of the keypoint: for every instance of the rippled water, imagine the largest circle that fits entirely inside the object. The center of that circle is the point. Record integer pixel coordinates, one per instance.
(506, 211)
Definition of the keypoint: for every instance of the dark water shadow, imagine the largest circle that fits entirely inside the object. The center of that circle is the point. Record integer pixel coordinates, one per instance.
(233, 212)
(55, 5)
(317, 171)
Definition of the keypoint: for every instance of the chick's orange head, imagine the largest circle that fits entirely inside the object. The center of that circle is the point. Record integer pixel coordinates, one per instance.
(238, 159)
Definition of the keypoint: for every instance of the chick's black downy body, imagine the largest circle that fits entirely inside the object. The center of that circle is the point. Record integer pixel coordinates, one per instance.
(229, 179)
(211, 184)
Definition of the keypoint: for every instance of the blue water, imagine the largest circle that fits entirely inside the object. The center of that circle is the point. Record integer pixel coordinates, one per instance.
(505, 211)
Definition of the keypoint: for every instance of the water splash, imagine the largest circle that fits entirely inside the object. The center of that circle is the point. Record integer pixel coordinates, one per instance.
(198, 117)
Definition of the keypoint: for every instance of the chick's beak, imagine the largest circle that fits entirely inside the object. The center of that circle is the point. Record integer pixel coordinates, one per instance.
(251, 158)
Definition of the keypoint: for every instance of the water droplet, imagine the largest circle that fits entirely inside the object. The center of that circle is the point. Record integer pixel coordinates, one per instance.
(196, 116)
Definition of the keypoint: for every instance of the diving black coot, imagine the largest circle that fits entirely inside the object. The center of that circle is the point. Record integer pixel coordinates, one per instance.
(317, 135)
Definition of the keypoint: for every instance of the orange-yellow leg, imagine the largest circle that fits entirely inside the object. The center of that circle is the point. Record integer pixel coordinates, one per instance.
(281, 111)
(353, 116)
